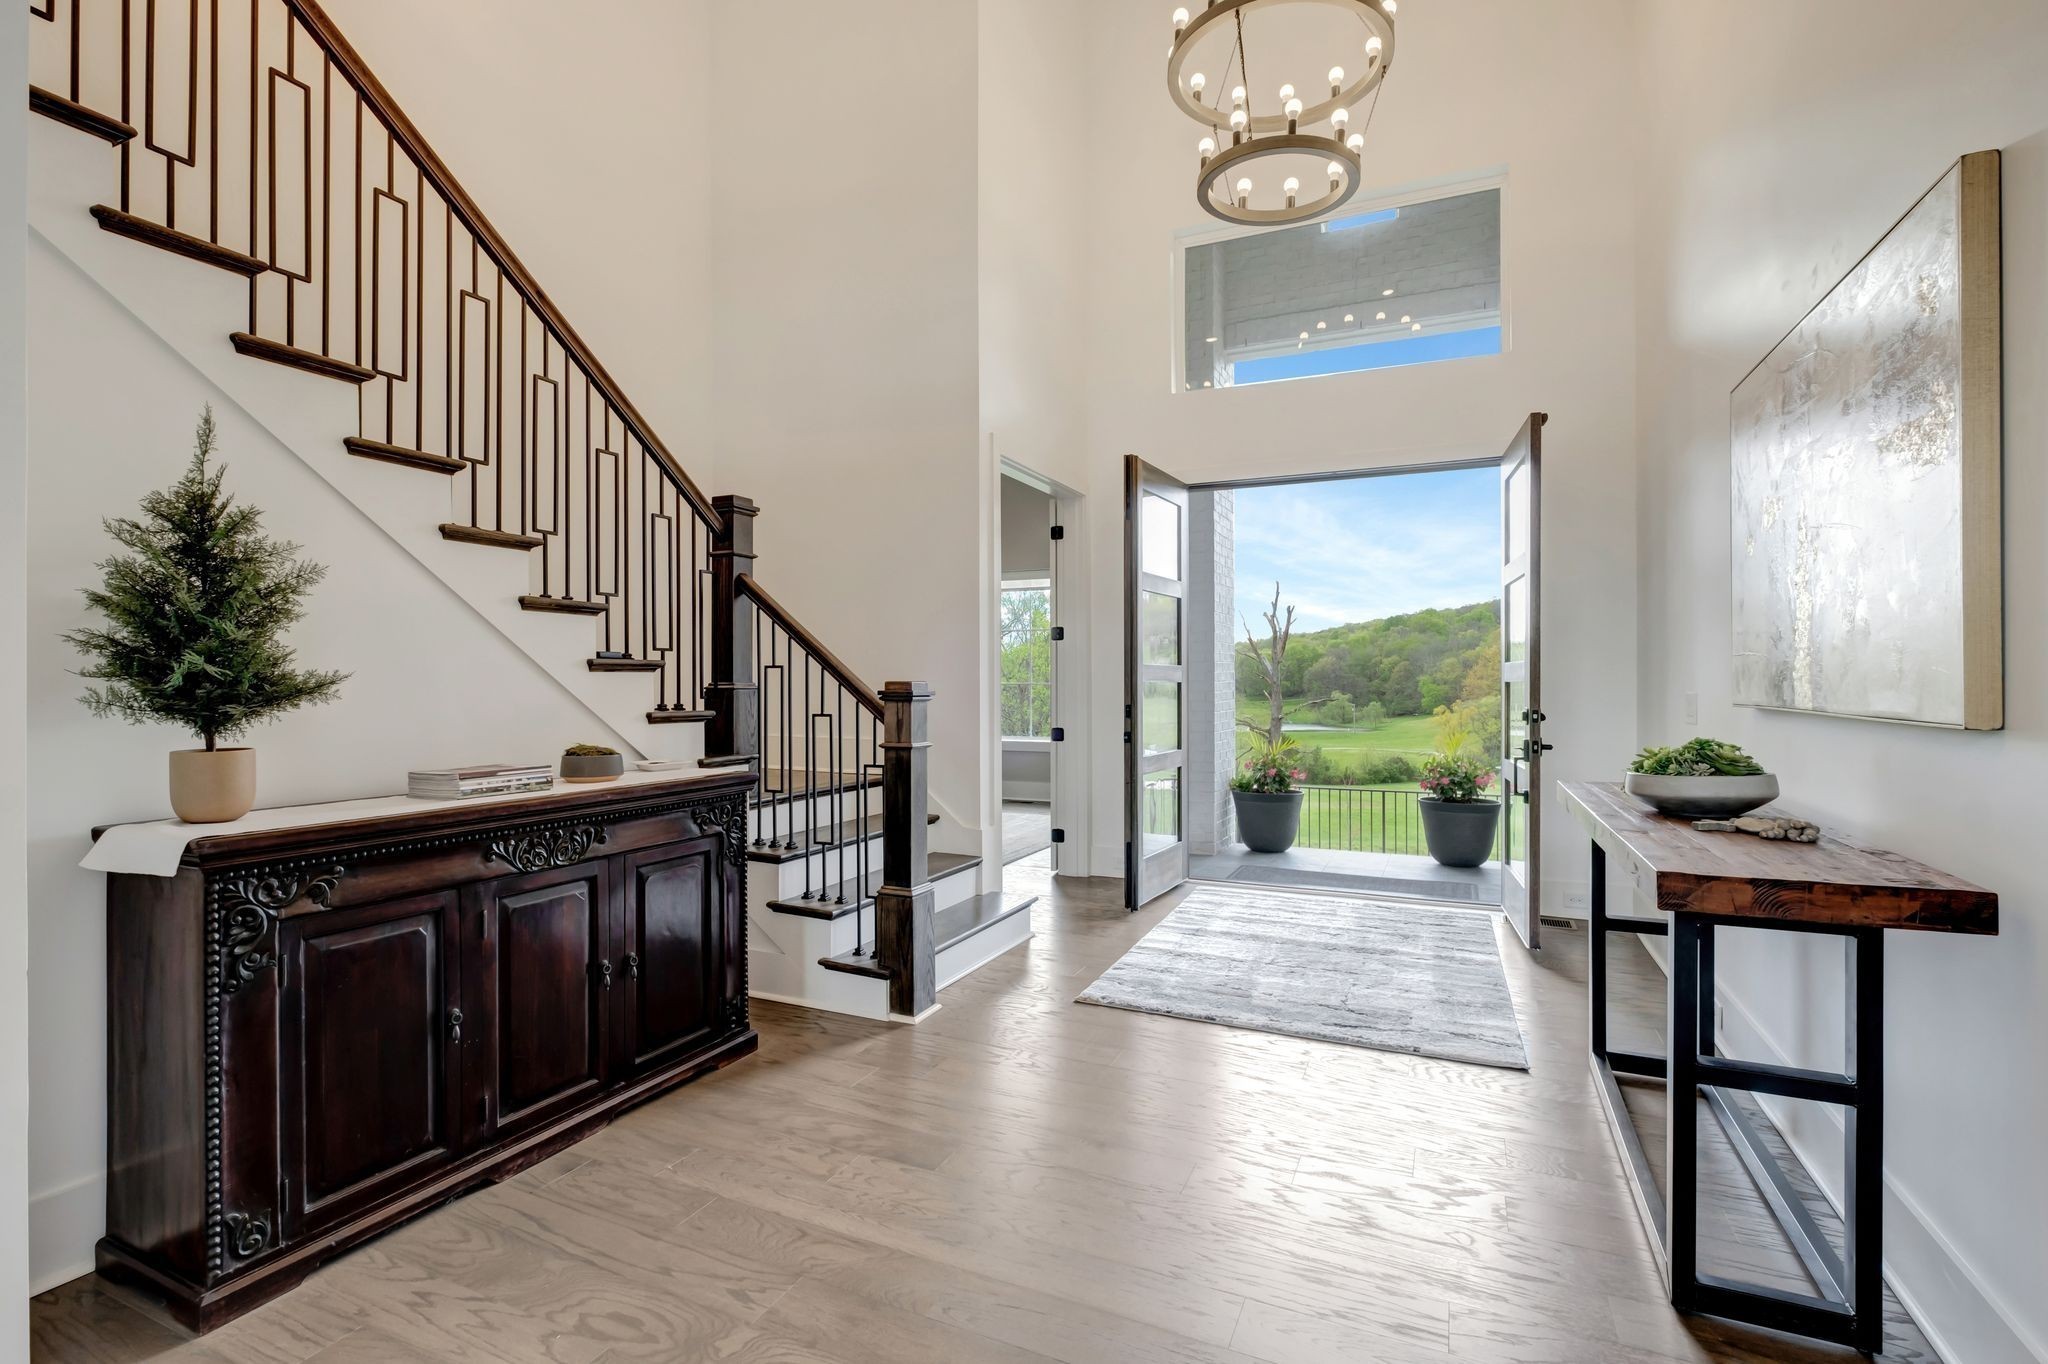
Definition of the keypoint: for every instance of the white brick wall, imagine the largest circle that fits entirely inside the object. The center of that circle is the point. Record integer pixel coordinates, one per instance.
(1212, 677)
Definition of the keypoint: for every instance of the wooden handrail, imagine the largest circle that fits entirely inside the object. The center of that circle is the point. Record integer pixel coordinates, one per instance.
(869, 699)
(372, 91)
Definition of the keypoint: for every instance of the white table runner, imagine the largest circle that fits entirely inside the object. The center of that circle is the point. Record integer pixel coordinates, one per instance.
(157, 847)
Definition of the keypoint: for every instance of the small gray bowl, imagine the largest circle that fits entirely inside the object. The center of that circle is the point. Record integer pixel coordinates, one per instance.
(592, 767)
(1702, 797)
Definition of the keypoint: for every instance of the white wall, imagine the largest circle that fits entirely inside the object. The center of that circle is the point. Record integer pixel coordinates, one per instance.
(582, 135)
(846, 368)
(1765, 179)
(14, 937)
(1477, 88)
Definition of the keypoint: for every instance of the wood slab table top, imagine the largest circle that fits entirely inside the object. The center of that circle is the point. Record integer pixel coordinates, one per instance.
(1740, 876)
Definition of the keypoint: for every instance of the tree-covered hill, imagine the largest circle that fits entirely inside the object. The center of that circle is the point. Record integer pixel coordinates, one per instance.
(1408, 664)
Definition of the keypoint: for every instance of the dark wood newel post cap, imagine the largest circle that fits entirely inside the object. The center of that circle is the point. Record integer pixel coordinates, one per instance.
(735, 504)
(906, 691)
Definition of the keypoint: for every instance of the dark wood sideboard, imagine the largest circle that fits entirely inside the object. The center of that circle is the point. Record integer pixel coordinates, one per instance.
(317, 1032)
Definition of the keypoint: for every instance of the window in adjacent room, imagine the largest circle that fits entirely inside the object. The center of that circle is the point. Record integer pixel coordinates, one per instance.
(1364, 290)
(1027, 660)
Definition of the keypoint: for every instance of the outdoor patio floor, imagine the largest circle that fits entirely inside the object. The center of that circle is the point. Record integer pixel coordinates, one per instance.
(1367, 873)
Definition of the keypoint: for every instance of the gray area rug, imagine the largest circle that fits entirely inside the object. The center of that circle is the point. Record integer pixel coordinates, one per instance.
(1366, 973)
(1464, 891)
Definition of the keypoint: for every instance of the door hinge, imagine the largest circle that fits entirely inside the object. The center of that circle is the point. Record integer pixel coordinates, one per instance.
(1059, 532)
(1059, 835)
(1059, 632)
(1059, 735)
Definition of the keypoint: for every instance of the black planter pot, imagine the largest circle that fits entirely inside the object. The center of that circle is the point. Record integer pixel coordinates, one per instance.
(1459, 833)
(1267, 821)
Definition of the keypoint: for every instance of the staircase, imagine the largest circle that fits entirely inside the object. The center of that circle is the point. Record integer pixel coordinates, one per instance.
(490, 442)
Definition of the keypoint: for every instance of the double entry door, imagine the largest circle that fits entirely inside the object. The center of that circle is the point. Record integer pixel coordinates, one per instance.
(417, 1029)
(1156, 671)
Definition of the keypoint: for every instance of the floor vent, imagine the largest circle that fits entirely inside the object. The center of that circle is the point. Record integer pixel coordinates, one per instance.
(1552, 921)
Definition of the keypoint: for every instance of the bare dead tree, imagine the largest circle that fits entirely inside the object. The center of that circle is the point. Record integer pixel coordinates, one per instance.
(1280, 628)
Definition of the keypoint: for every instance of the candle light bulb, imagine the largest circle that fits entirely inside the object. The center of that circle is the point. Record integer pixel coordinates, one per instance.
(1237, 96)
(1198, 83)
(1340, 119)
(1293, 109)
(1336, 169)
(1286, 93)
(1239, 119)
(1292, 186)
(1373, 45)
(1392, 6)
(1244, 192)
(1416, 327)
(1406, 318)
(1356, 142)
(1336, 79)
(1207, 147)
(1349, 318)
(1381, 317)
(1322, 326)
(1180, 20)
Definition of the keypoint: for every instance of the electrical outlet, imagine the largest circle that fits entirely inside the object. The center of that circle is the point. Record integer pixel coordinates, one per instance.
(1575, 901)
(1692, 707)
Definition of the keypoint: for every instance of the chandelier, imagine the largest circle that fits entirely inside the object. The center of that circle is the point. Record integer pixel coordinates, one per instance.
(1299, 138)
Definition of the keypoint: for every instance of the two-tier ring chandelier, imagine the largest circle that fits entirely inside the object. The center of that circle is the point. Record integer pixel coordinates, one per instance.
(1313, 138)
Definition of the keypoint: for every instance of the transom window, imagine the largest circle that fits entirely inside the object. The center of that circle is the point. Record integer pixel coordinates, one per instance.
(1026, 684)
(1365, 290)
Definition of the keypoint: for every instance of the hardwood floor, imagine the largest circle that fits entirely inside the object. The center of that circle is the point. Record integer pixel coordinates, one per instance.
(1022, 1179)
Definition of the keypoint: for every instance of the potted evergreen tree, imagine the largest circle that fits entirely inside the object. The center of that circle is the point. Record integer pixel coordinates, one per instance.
(1263, 793)
(195, 614)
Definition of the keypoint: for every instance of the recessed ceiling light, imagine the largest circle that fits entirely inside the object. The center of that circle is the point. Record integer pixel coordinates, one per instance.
(1406, 318)
(1381, 317)
(1322, 326)
(1416, 328)
(1349, 318)
(1386, 293)
(1209, 340)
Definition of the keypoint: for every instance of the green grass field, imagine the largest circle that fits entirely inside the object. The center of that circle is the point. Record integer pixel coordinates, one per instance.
(1412, 736)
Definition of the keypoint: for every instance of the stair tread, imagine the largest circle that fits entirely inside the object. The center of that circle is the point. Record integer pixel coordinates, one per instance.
(562, 606)
(829, 905)
(50, 104)
(184, 244)
(800, 785)
(679, 717)
(294, 357)
(725, 760)
(855, 963)
(811, 841)
(602, 664)
(495, 539)
(399, 454)
(950, 927)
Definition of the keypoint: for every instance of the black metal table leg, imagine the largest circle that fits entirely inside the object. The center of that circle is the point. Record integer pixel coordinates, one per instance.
(1864, 1123)
(1681, 1112)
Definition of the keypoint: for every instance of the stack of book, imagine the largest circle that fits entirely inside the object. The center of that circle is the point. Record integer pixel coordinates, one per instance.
(489, 779)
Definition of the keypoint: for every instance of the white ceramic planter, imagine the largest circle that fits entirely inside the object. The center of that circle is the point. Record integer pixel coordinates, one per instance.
(1702, 797)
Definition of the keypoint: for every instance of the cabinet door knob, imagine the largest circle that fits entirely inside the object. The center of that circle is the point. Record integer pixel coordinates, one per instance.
(604, 974)
(455, 1025)
(633, 965)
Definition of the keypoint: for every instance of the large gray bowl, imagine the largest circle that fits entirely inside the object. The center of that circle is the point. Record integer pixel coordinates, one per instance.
(1703, 797)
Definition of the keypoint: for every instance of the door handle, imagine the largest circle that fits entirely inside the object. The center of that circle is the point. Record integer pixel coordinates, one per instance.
(455, 1025)
(633, 965)
(604, 974)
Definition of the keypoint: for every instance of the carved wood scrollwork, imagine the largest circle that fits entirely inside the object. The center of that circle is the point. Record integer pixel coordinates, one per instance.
(249, 903)
(247, 1234)
(540, 849)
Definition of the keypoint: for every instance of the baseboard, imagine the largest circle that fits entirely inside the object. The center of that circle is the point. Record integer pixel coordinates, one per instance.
(63, 1226)
(1947, 1299)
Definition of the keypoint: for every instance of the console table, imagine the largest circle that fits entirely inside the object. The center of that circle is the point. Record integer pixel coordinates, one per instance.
(325, 1021)
(1732, 880)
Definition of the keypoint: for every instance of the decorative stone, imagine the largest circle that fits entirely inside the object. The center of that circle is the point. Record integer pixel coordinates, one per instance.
(1777, 828)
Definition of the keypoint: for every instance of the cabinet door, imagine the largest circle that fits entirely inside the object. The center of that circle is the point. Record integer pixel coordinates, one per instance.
(367, 1053)
(672, 952)
(534, 986)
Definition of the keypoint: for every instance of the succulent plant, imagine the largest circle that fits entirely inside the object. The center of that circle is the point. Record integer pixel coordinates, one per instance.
(589, 751)
(1696, 758)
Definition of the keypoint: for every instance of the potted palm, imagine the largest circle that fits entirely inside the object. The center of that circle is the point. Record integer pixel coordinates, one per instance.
(1263, 792)
(195, 614)
(1458, 822)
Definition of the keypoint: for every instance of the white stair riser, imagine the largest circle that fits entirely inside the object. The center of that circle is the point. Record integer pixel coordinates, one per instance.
(963, 959)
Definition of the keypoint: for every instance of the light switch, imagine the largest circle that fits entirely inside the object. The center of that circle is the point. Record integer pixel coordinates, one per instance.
(1692, 707)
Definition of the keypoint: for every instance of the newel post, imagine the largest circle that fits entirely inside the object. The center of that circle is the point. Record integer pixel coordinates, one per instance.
(903, 906)
(732, 694)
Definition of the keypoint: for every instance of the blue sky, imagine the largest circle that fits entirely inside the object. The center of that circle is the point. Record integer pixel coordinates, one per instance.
(1361, 548)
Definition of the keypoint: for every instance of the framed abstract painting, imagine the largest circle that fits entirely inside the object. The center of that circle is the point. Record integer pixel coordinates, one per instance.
(1865, 453)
